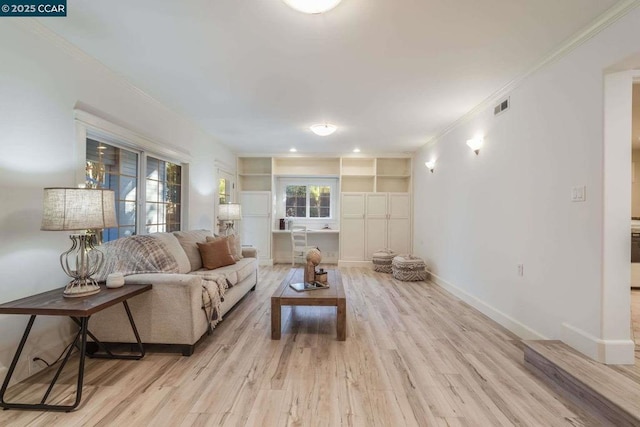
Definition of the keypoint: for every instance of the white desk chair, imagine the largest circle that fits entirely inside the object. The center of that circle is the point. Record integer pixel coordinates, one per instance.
(298, 244)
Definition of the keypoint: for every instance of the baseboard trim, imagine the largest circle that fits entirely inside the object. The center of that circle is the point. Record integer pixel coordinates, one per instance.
(513, 325)
(610, 352)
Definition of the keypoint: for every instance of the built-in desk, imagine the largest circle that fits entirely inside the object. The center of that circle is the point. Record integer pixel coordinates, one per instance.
(327, 240)
(320, 231)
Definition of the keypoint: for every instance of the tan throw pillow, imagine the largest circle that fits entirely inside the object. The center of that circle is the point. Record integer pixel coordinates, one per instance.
(216, 254)
(235, 244)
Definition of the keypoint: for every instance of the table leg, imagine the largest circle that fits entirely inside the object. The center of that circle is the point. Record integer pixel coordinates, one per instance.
(81, 335)
(341, 323)
(107, 353)
(276, 314)
(14, 362)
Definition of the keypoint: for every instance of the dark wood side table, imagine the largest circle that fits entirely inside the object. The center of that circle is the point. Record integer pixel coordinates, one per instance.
(53, 303)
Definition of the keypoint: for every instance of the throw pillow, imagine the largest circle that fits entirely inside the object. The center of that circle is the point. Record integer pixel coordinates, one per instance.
(235, 244)
(216, 254)
(237, 247)
(188, 240)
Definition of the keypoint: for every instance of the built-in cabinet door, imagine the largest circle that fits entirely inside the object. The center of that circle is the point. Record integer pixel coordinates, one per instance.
(376, 223)
(388, 223)
(352, 226)
(255, 226)
(399, 226)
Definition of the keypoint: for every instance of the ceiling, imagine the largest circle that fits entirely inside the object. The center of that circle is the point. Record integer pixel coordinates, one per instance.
(256, 74)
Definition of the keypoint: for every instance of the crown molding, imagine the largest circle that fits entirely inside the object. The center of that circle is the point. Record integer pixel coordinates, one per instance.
(603, 21)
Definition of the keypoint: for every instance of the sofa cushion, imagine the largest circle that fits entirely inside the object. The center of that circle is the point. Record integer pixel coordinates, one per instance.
(189, 240)
(216, 254)
(184, 266)
(234, 273)
(242, 269)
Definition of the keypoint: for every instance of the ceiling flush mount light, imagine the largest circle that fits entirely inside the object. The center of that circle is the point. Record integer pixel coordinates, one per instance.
(356, 150)
(323, 129)
(475, 144)
(292, 150)
(431, 165)
(312, 6)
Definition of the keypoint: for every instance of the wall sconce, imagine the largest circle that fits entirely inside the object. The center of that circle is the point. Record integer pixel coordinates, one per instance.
(475, 144)
(431, 165)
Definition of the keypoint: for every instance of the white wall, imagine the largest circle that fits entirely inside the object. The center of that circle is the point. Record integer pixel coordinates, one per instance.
(42, 80)
(635, 186)
(478, 217)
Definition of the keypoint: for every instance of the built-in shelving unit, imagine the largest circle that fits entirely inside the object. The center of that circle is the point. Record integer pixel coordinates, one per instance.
(393, 175)
(358, 174)
(374, 208)
(380, 175)
(306, 166)
(254, 173)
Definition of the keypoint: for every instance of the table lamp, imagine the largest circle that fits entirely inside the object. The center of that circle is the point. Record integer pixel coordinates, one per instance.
(228, 213)
(84, 210)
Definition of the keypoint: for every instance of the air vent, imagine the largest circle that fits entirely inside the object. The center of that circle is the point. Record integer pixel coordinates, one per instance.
(503, 105)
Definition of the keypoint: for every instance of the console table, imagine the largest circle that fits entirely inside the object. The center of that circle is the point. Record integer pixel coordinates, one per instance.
(53, 303)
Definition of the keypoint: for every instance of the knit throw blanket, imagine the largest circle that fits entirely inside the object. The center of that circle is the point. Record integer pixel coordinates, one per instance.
(147, 254)
(136, 255)
(213, 288)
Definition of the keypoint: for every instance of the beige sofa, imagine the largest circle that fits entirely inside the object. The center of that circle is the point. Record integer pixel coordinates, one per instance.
(172, 312)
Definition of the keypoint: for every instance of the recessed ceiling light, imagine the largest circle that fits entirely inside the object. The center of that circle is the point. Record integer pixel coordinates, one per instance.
(323, 129)
(292, 150)
(312, 6)
(356, 150)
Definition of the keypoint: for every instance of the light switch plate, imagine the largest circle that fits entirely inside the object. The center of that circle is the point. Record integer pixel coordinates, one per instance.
(579, 193)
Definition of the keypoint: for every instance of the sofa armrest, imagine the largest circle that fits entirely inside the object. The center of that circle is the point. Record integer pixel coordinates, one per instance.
(249, 252)
(171, 313)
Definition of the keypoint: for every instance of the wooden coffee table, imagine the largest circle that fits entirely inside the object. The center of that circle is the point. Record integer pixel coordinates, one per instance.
(332, 297)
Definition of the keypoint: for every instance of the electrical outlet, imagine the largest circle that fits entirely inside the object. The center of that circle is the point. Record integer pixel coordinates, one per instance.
(521, 270)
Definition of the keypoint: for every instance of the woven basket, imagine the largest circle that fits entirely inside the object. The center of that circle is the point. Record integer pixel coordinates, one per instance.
(408, 268)
(382, 260)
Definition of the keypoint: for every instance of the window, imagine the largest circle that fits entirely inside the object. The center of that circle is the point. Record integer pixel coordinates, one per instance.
(307, 198)
(118, 169)
(314, 199)
(223, 192)
(163, 196)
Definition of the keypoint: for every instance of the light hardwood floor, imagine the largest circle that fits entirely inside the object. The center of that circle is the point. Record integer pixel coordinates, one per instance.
(414, 355)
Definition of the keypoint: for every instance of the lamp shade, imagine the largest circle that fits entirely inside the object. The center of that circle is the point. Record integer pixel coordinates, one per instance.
(78, 209)
(229, 212)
